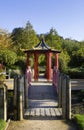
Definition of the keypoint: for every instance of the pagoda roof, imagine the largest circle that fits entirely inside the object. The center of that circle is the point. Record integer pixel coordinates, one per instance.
(42, 47)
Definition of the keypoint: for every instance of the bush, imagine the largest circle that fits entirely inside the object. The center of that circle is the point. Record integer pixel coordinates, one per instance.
(76, 73)
(2, 75)
(64, 59)
(2, 124)
(80, 121)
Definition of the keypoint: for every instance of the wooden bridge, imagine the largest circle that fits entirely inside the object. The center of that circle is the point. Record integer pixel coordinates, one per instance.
(42, 101)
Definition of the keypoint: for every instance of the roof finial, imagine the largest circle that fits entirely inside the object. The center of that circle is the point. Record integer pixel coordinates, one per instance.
(42, 37)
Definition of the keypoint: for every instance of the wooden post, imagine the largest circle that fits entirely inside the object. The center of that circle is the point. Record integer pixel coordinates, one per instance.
(35, 66)
(15, 99)
(21, 98)
(64, 97)
(60, 90)
(26, 92)
(68, 99)
(48, 66)
(18, 98)
(5, 103)
(56, 60)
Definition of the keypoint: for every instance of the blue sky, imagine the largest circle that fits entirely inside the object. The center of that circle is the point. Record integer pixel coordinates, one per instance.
(66, 16)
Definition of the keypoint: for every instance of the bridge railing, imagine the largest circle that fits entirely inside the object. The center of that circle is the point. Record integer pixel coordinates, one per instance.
(65, 88)
(64, 95)
(20, 96)
(77, 89)
(3, 101)
(55, 78)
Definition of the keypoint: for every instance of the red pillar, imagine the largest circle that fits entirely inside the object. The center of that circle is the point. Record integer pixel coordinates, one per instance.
(48, 66)
(56, 61)
(35, 66)
(28, 59)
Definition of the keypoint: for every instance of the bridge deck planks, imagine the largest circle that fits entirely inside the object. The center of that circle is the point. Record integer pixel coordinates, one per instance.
(43, 112)
(42, 101)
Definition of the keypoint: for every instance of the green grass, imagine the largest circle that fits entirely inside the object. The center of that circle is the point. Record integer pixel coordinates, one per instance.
(80, 121)
(2, 124)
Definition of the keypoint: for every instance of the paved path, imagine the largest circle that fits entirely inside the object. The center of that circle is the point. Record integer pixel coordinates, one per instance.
(41, 125)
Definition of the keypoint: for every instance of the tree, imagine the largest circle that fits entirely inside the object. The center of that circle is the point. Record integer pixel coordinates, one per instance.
(70, 46)
(8, 57)
(53, 39)
(64, 60)
(32, 38)
(24, 38)
(18, 39)
(5, 39)
(78, 58)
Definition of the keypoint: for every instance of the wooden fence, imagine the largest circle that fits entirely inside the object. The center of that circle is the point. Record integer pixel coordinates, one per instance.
(65, 88)
(3, 102)
(20, 97)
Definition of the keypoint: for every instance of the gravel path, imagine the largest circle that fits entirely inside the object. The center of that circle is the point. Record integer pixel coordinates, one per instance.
(41, 125)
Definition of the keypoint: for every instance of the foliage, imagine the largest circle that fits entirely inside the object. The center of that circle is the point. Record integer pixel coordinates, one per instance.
(76, 72)
(78, 58)
(8, 57)
(41, 60)
(53, 39)
(2, 75)
(24, 38)
(70, 45)
(21, 63)
(5, 39)
(80, 121)
(17, 37)
(2, 124)
(75, 50)
(63, 61)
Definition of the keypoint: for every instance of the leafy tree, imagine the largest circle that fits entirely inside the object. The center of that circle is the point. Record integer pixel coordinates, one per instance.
(53, 39)
(8, 57)
(5, 39)
(64, 60)
(70, 45)
(31, 37)
(78, 58)
(24, 38)
(17, 37)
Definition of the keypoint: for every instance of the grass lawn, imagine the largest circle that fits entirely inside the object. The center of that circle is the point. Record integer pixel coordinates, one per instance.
(80, 121)
(2, 124)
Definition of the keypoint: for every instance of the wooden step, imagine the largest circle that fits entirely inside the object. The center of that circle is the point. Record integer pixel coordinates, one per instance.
(43, 112)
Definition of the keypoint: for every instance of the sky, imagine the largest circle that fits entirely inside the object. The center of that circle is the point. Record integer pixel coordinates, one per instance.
(65, 16)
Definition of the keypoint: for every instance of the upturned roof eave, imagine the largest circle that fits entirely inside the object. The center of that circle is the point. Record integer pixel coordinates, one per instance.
(42, 51)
